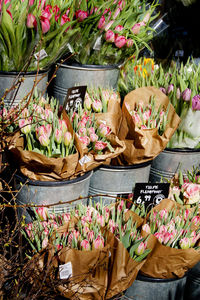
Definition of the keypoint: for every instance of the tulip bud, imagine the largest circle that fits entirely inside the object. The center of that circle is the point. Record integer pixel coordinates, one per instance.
(31, 21)
(186, 94)
(45, 23)
(85, 245)
(184, 243)
(24, 126)
(58, 136)
(196, 102)
(44, 140)
(67, 138)
(97, 106)
(87, 102)
(170, 88)
(178, 93)
(93, 137)
(119, 28)
(120, 41)
(140, 249)
(146, 228)
(136, 28)
(101, 23)
(129, 43)
(110, 36)
(81, 15)
(98, 243)
(162, 89)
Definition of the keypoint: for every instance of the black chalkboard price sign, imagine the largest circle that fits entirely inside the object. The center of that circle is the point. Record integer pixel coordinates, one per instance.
(75, 97)
(150, 193)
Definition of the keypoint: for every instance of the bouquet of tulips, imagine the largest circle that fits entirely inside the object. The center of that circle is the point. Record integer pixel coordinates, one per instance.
(43, 27)
(176, 229)
(185, 189)
(111, 31)
(98, 144)
(105, 103)
(181, 86)
(151, 121)
(46, 146)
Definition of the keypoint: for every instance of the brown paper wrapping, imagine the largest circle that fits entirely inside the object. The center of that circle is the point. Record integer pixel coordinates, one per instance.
(166, 262)
(37, 166)
(145, 145)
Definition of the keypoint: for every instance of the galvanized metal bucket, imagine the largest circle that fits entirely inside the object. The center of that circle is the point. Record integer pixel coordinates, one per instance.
(69, 76)
(192, 288)
(7, 79)
(168, 162)
(117, 180)
(146, 288)
(50, 192)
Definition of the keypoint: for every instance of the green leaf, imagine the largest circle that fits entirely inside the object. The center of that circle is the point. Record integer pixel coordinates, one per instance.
(126, 239)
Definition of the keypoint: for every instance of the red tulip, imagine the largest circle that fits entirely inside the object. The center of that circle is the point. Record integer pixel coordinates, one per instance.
(45, 23)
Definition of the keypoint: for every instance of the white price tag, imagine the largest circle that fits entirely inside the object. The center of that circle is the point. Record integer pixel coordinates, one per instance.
(179, 53)
(40, 54)
(65, 270)
(84, 160)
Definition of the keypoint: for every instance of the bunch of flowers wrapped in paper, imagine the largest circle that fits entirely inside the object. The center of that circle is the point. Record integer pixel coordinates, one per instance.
(88, 239)
(98, 143)
(176, 229)
(46, 146)
(150, 123)
(180, 84)
(87, 245)
(185, 188)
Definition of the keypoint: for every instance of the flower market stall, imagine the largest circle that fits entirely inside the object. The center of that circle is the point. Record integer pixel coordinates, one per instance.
(99, 155)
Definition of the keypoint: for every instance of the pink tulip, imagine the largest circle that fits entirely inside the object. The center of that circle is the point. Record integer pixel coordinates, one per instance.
(98, 243)
(87, 102)
(102, 22)
(159, 236)
(58, 136)
(104, 130)
(101, 220)
(62, 126)
(120, 41)
(136, 28)
(119, 28)
(31, 2)
(97, 106)
(91, 130)
(191, 192)
(163, 90)
(110, 36)
(48, 115)
(45, 23)
(81, 15)
(85, 140)
(59, 247)
(44, 140)
(93, 137)
(65, 19)
(196, 102)
(82, 131)
(42, 213)
(196, 220)
(146, 18)
(121, 4)
(85, 245)
(184, 243)
(67, 138)
(140, 249)
(170, 88)
(167, 237)
(178, 93)
(146, 228)
(42, 4)
(108, 25)
(99, 145)
(129, 43)
(163, 214)
(24, 126)
(48, 130)
(31, 21)
(186, 94)
(47, 12)
(90, 236)
(117, 12)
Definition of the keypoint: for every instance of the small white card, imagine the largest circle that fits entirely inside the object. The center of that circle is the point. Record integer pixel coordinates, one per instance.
(40, 54)
(84, 160)
(65, 270)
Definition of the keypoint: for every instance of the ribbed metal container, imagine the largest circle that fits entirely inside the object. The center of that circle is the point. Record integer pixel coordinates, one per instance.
(145, 288)
(69, 76)
(117, 180)
(50, 192)
(168, 162)
(7, 79)
(192, 288)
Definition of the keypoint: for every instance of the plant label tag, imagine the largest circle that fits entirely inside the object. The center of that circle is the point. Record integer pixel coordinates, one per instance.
(179, 53)
(75, 97)
(97, 44)
(150, 193)
(40, 54)
(65, 270)
(84, 160)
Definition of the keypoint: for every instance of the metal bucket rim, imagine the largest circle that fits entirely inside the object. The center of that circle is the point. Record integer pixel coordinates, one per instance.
(78, 66)
(14, 73)
(135, 166)
(183, 150)
(23, 178)
(158, 280)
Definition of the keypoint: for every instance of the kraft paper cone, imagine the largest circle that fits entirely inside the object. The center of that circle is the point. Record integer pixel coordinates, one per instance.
(89, 273)
(37, 166)
(145, 145)
(167, 262)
